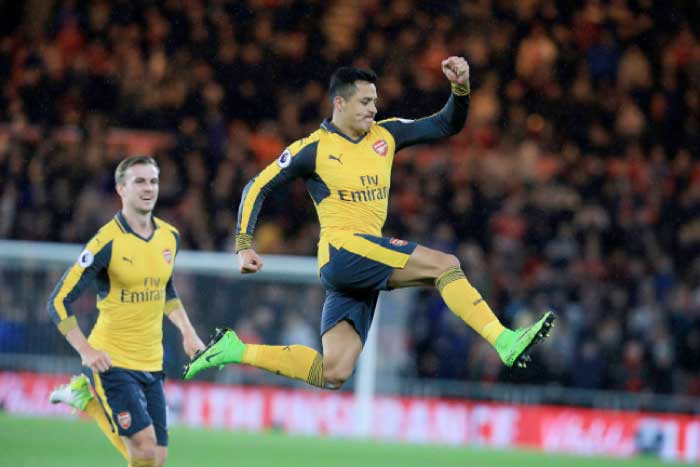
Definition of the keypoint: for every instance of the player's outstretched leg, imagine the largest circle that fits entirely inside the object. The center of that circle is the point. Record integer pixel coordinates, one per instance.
(427, 266)
(293, 361)
(465, 301)
(78, 395)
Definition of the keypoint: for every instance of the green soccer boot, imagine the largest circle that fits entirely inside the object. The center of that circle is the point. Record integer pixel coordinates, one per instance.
(512, 346)
(225, 347)
(77, 393)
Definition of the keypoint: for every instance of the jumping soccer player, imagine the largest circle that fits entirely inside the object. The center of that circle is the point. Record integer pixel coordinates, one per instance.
(131, 259)
(346, 166)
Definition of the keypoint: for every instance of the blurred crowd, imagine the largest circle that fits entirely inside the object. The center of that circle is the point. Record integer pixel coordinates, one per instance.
(575, 186)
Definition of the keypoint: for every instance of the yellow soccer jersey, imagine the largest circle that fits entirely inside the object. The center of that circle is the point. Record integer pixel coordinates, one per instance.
(134, 278)
(348, 180)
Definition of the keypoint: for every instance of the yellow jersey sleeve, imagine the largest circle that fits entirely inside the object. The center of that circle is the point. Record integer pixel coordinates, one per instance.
(93, 260)
(297, 161)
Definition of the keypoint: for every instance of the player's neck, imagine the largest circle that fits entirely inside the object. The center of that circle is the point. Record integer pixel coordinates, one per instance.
(140, 223)
(345, 129)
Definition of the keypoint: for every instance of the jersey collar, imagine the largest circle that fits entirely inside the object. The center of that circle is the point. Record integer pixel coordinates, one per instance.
(328, 126)
(124, 225)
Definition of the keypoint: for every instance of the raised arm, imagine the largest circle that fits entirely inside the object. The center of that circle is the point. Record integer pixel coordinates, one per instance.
(297, 161)
(447, 122)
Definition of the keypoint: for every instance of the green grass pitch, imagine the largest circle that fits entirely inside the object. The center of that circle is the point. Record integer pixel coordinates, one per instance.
(43, 442)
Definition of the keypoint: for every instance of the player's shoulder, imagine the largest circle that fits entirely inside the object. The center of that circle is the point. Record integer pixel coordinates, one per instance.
(110, 230)
(387, 123)
(161, 224)
(168, 228)
(305, 144)
(104, 236)
(392, 127)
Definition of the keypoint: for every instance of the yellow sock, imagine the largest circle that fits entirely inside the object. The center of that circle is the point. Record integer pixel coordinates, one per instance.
(94, 409)
(142, 463)
(466, 302)
(292, 361)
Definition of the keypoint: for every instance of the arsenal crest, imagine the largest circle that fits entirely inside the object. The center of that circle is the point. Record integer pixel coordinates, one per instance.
(380, 147)
(397, 242)
(124, 420)
(168, 255)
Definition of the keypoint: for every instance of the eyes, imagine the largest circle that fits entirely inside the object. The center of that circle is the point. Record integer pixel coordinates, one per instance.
(142, 181)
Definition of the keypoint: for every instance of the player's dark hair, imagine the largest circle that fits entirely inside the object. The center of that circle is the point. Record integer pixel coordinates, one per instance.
(124, 165)
(343, 81)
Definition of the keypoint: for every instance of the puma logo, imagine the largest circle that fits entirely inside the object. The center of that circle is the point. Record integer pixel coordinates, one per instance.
(335, 158)
(128, 260)
(286, 348)
(477, 302)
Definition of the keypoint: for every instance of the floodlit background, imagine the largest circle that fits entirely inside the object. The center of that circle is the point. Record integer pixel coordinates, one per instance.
(574, 186)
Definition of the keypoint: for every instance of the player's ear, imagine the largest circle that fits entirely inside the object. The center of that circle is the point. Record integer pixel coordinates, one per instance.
(120, 189)
(338, 103)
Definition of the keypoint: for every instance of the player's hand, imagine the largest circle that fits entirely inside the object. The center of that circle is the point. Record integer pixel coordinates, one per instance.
(192, 343)
(456, 69)
(249, 261)
(96, 360)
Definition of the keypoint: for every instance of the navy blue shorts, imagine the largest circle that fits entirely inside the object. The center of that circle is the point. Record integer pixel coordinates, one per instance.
(354, 275)
(132, 400)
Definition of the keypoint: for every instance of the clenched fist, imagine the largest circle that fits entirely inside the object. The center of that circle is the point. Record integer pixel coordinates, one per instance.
(456, 69)
(249, 261)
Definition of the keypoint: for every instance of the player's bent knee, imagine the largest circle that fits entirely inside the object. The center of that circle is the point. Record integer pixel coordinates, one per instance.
(334, 375)
(341, 347)
(161, 455)
(143, 453)
(335, 379)
(142, 447)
